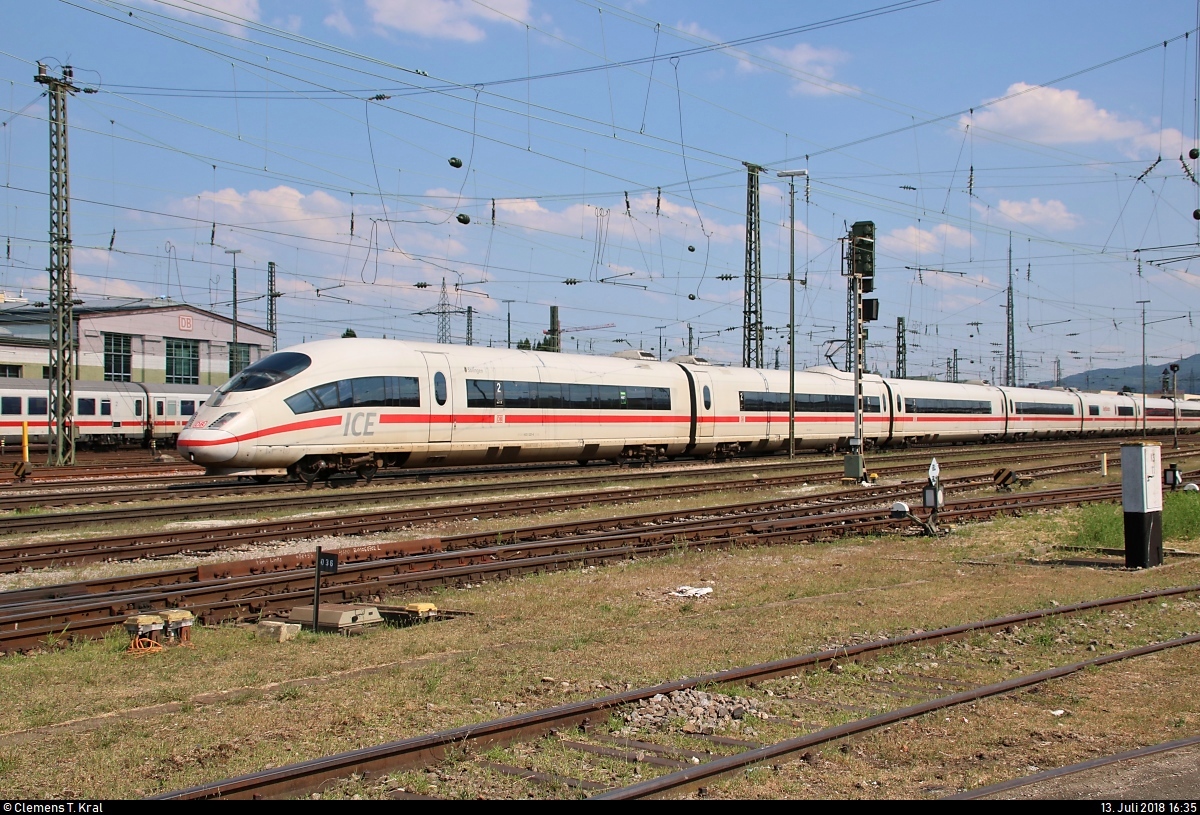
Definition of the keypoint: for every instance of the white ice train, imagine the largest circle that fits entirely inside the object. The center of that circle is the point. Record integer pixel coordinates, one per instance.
(361, 404)
(106, 414)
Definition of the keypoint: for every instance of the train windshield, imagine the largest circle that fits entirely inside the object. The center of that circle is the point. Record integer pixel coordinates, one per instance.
(267, 371)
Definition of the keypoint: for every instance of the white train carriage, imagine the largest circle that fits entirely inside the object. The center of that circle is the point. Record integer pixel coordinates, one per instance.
(1109, 413)
(1035, 413)
(106, 414)
(750, 410)
(359, 404)
(313, 411)
(929, 412)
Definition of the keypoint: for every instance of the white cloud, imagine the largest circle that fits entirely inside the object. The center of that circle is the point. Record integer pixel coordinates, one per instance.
(243, 9)
(673, 220)
(699, 32)
(1053, 116)
(291, 23)
(813, 66)
(445, 19)
(1051, 214)
(338, 21)
(904, 242)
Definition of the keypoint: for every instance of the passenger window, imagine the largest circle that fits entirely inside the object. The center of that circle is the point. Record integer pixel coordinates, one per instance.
(10, 405)
(187, 407)
(326, 395)
(105, 407)
(172, 407)
(37, 406)
(302, 402)
(707, 398)
(86, 407)
(159, 408)
(439, 388)
(137, 407)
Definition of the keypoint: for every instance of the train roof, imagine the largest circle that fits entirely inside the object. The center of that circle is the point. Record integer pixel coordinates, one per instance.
(15, 383)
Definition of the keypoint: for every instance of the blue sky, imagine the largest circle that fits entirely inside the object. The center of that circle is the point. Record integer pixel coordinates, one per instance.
(608, 140)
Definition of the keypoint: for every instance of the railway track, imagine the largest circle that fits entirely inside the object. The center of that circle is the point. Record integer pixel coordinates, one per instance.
(622, 747)
(134, 485)
(233, 592)
(140, 545)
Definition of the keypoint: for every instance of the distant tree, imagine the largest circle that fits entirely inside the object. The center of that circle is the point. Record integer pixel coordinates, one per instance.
(524, 345)
(349, 332)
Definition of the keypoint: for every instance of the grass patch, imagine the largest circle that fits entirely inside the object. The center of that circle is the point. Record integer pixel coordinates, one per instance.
(1181, 516)
(1101, 526)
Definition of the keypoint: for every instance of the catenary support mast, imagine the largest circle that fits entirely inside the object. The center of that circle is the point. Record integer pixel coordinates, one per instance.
(61, 430)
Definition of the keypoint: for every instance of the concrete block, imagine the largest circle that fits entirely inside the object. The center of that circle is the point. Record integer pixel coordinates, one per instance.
(276, 630)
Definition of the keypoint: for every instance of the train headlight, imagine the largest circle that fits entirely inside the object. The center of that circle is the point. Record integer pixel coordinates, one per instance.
(221, 422)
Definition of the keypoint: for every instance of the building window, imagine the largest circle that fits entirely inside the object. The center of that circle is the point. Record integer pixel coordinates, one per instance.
(239, 357)
(183, 362)
(10, 371)
(118, 357)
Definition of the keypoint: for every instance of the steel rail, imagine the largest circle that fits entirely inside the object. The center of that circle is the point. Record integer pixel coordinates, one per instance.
(403, 754)
(139, 545)
(29, 624)
(325, 498)
(86, 474)
(692, 777)
(669, 522)
(1060, 772)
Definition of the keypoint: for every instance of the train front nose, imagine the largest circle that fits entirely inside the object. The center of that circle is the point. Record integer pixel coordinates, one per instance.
(216, 441)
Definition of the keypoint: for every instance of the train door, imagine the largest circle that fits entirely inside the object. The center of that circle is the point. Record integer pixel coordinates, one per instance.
(706, 408)
(441, 398)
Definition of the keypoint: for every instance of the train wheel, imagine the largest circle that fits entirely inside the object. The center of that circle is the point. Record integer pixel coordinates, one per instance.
(309, 473)
(367, 472)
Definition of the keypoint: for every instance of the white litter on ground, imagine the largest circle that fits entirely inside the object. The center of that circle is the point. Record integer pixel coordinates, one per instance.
(688, 591)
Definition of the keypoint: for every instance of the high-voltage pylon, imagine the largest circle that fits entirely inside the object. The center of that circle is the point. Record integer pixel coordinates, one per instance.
(272, 296)
(443, 312)
(61, 435)
(901, 350)
(752, 324)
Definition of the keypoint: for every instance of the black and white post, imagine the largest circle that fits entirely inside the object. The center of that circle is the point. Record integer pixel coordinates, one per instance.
(1142, 501)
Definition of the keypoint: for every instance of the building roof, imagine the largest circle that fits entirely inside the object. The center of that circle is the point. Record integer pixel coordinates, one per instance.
(21, 319)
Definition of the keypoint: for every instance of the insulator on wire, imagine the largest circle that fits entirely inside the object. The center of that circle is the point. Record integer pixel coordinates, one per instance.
(112, 239)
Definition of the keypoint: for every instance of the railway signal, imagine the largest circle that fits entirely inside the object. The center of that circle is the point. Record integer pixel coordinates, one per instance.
(860, 280)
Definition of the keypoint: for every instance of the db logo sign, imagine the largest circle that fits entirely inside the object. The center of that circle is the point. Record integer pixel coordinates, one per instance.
(185, 322)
